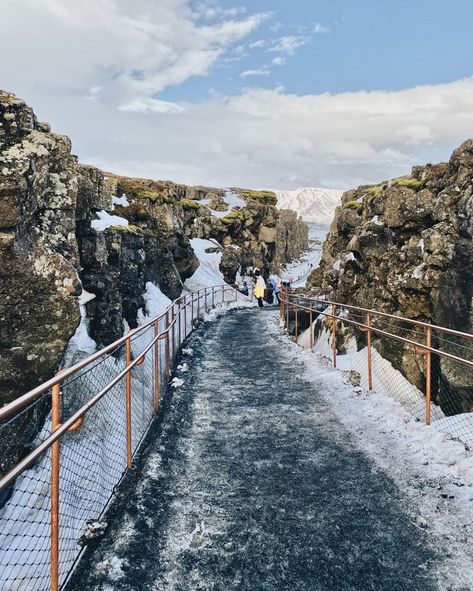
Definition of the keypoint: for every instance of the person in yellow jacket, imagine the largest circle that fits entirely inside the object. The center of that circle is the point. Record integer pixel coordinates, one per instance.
(259, 288)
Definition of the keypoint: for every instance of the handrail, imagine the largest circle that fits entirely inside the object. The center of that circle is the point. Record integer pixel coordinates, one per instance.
(23, 400)
(384, 332)
(420, 323)
(174, 332)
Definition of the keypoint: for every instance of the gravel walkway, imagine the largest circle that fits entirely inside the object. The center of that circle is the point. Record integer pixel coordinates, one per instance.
(249, 482)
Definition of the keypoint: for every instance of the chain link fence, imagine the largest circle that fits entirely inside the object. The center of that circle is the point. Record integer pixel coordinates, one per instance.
(426, 368)
(49, 510)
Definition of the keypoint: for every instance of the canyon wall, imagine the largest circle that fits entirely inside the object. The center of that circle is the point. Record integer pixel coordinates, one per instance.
(405, 247)
(53, 245)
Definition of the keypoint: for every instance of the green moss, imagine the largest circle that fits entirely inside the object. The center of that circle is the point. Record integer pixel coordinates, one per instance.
(375, 191)
(130, 229)
(142, 215)
(267, 197)
(189, 204)
(356, 205)
(147, 194)
(167, 199)
(234, 215)
(409, 182)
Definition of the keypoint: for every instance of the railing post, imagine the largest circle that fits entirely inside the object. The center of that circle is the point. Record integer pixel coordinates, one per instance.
(157, 402)
(370, 365)
(296, 327)
(192, 306)
(198, 305)
(334, 335)
(287, 313)
(128, 404)
(179, 323)
(206, 308)
(168, 364)
(55, 476)
(310, 328)
(428, 371)
(223, 294)
(185, 317)
(173, 317)
(213, 297)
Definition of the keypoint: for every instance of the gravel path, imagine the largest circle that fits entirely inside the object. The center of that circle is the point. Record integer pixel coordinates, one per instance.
(249, 482)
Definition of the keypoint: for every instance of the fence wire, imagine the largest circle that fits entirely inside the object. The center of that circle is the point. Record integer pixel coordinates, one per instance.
(398, 369)
(93, 457)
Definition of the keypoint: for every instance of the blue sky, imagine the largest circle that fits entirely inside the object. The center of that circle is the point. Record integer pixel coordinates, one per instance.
(370, 45)
(279, 93)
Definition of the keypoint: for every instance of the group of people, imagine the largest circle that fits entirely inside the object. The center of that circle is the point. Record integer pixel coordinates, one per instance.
(271, 289)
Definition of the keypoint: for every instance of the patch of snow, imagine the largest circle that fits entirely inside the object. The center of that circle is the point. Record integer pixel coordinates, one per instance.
(123, 201)
(106, 220)
(155, 303)
(377, 220)
(81, 344)
(298, 271)
(419, 271)
(183, 367)
(177, 383)
(208, 273)
(189, 352)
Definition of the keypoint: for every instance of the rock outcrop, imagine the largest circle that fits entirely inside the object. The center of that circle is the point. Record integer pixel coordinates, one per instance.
(52, 247)
(405, 247)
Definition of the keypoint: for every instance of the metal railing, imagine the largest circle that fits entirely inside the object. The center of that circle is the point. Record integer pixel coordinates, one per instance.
(428, 368)
(98, 412)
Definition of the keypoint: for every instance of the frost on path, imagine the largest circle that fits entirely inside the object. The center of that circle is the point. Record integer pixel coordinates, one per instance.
(250, 481)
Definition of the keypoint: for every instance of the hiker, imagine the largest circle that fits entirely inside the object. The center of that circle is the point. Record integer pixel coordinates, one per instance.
(276, 288)
(259, 289)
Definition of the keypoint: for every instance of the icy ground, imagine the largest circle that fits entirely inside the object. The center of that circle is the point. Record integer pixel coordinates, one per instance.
(298, 271)
(265, 471)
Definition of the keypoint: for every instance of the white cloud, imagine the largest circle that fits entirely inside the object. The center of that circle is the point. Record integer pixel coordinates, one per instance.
(289, 44)
(150, 105)
(268, 138)
(319, 28)
(279, 61)
(78, 64)
(258, 44)
(264, 71)
(131, 50)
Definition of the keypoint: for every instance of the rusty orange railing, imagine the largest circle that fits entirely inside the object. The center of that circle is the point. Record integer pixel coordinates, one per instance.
(451, 345)
(145, 349)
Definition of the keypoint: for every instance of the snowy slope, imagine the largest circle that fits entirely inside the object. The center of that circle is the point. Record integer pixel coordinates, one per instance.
(313, 204)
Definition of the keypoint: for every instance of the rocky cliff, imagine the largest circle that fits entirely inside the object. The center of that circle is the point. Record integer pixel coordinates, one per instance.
(405, 247)
(65, 227)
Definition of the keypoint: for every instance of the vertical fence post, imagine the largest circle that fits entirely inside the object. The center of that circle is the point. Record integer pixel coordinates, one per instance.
(287, 313)
(198, 305)
(223, 294)
(192, 310)
(311, 328)
(157, 402)
(128, 403)
(206, 306)
(296, 327)
(428, 372)
(173, 317)
(185, 317)
(213, 297)
(334, 335)
(370, 364)
(168, 364)
(179, 321)
(55, 476)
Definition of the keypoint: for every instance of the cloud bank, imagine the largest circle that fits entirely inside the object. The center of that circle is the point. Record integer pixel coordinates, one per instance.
(95, 70)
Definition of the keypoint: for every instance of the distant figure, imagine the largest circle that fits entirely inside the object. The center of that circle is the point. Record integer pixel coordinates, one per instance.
(244, 290)
(276, 288)
(259, 289)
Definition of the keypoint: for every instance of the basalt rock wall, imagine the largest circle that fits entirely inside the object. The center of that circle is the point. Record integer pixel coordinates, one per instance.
(405, 247)
(51, 249)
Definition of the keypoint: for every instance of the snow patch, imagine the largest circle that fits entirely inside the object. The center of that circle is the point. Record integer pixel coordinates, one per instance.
(106, 220)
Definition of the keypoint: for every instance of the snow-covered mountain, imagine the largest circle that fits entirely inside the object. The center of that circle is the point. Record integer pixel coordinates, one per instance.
(315, 205)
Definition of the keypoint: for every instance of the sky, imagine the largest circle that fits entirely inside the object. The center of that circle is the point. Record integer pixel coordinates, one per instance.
(262, 94)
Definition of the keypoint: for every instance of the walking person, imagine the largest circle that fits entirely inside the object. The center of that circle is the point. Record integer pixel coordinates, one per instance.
(276, 288)
(259, 289)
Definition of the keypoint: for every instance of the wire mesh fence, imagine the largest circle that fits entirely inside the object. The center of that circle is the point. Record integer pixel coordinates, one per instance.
(105, 405)
(426, 368)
